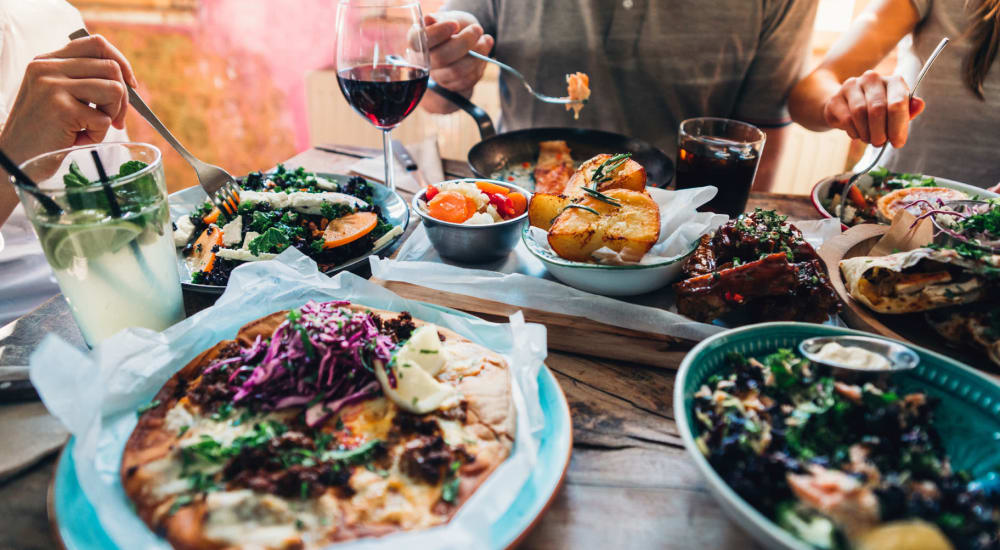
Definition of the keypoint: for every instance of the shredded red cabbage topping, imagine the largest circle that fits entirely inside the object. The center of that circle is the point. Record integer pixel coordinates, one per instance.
(320, 357)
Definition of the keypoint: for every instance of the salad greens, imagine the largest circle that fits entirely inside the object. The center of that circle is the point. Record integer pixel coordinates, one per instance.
(830, 460)
(278, 229)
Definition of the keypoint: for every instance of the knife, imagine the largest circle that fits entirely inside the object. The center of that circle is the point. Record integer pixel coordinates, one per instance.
(404, 158)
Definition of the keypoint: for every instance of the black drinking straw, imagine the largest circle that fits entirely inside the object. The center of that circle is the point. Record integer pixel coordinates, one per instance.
(116, 211)
(24, 182)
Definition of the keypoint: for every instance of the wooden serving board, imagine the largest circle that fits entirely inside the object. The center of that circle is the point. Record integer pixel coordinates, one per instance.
(565, 333)
(909, 327)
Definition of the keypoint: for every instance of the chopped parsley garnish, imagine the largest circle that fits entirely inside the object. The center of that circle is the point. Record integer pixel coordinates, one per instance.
(332, 211)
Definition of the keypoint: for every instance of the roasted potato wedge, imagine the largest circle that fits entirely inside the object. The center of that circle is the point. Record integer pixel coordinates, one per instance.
(632, 228)
(627, 175)
(544, 207)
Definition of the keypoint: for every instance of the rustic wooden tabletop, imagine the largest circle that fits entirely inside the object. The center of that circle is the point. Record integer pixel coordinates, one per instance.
(629, 485)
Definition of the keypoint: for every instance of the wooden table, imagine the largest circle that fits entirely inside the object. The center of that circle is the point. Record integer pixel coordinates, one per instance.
(629, 485)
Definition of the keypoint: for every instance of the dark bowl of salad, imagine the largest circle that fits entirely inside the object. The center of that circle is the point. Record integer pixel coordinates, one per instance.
(336, 220)
(802, 460)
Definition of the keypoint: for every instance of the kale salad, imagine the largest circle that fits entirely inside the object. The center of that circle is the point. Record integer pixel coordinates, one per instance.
(839, 464)
(329, 221)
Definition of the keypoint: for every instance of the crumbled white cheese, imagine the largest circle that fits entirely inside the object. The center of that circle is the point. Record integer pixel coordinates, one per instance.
(232, 232)
(242, 255)
(312, 203)
(326, 184)
(184, 230)
(276, 200)
(396, 230)
(250, 236)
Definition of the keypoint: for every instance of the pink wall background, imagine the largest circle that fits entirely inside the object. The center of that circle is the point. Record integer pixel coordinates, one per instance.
(230, 81)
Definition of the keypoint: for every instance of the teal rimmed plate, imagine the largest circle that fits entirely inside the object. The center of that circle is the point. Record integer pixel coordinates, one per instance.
(968, 416)
(77, 526)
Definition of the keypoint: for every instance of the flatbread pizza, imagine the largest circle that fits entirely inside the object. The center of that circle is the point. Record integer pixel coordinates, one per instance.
(327, 423)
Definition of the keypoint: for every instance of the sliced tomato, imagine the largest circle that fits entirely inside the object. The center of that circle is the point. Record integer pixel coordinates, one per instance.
(348, 229)
(519, 202)
(449, 206)
(487, 187)
(203, 250)
(212, 216)
(431, 192)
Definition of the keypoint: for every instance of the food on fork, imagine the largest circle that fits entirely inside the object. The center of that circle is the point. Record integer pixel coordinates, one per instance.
(322, 424)
(577, 90)
(757, 265)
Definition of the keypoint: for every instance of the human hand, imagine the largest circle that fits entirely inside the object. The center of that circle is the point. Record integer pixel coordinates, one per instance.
(873, 108)
(52, 108)
(450, 36)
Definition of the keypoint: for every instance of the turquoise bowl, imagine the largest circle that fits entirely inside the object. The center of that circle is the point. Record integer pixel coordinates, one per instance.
(968, 416)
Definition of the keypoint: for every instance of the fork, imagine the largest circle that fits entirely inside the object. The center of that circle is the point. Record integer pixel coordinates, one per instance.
(517, 73)
(221, 187)
(913, 91)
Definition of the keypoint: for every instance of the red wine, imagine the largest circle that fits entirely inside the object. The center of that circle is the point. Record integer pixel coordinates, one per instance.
(384, 94)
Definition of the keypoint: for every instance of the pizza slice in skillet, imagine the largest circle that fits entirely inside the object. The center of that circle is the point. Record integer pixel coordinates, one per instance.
(327, 423)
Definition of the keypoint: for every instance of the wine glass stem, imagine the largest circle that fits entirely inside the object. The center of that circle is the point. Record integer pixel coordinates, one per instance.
(390, 175)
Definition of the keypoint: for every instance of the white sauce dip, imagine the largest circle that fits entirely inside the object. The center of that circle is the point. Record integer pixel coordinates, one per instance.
(852, 356)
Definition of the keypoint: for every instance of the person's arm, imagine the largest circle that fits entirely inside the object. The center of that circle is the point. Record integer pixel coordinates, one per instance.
(52, 109)
(844, 93)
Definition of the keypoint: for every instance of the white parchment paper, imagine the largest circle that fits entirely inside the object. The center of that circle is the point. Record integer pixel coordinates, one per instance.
(521, 279)
(96, 394)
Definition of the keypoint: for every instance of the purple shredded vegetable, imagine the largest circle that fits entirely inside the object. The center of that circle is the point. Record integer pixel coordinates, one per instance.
(321, 357)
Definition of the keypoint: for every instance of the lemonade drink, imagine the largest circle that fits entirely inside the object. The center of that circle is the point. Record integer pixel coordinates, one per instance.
(115, 271)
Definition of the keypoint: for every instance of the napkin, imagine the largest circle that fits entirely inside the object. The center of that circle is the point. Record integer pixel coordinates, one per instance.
(426, 155)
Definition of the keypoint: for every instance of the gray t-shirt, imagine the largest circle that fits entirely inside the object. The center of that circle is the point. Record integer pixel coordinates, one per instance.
(958, 135)
(652, 63)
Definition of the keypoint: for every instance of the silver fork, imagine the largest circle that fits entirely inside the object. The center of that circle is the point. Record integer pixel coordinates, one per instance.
(854, 178)
(517, 73)
(221, 187)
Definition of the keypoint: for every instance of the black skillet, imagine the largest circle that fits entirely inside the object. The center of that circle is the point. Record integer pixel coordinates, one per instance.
(497, 151)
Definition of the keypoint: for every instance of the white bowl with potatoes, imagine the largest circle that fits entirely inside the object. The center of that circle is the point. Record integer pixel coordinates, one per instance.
(599, 234)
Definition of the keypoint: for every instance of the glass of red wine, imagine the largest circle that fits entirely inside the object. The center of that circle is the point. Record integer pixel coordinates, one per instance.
(382, 63)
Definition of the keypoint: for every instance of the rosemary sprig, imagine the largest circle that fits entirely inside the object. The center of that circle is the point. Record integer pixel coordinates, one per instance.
(608, 167)
(601, 196)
